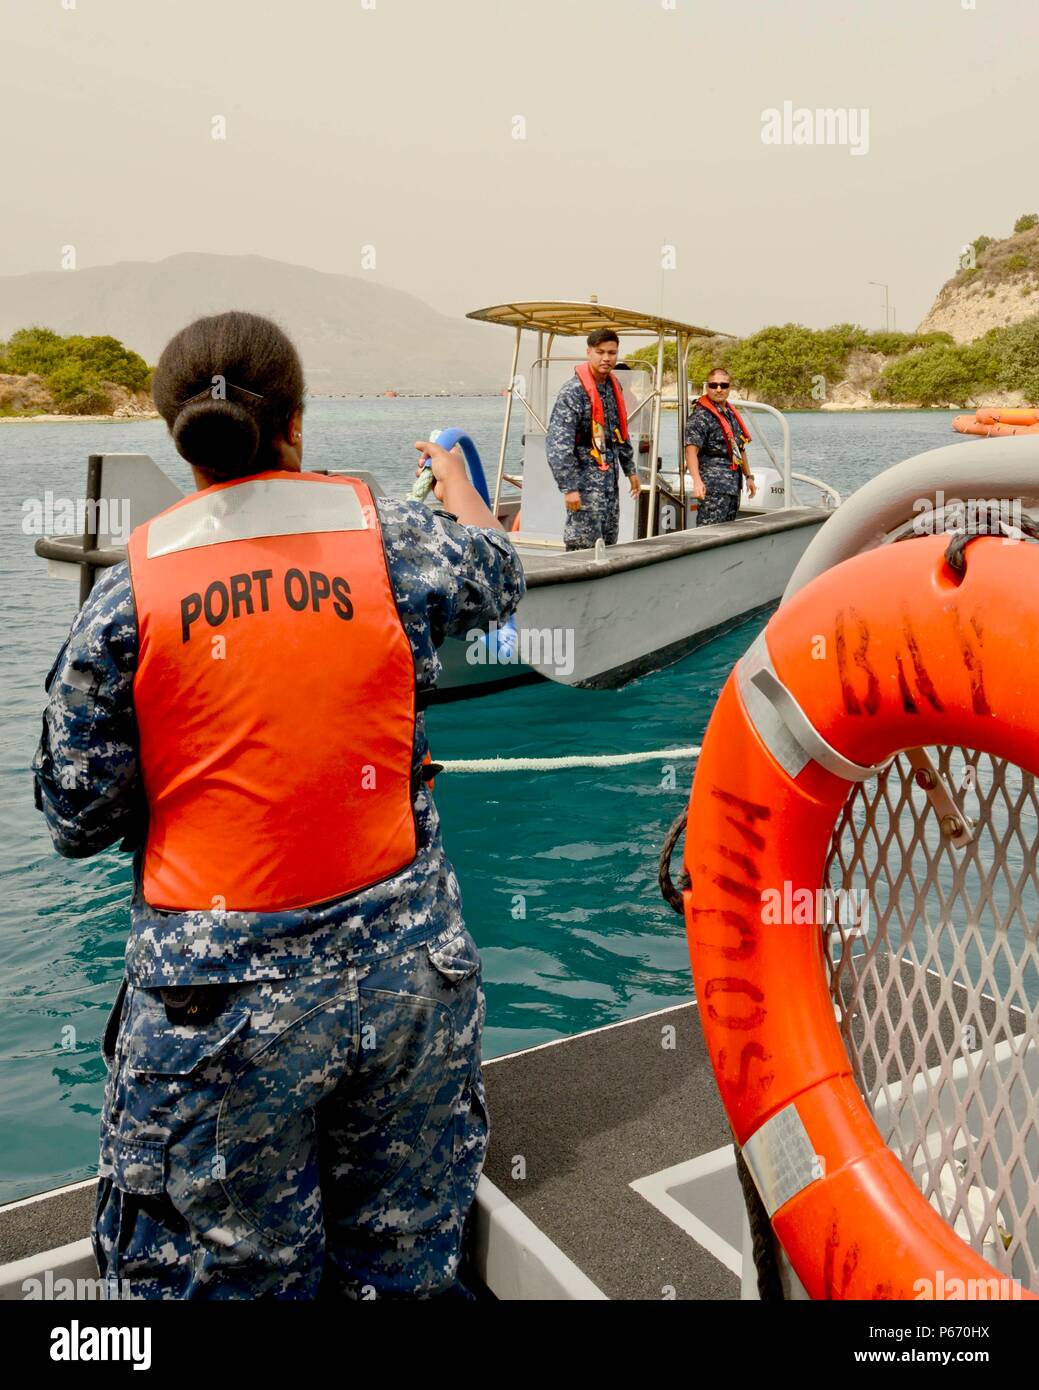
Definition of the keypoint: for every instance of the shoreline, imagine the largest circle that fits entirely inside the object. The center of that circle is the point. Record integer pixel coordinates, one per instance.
(52, 419)
(48, 419)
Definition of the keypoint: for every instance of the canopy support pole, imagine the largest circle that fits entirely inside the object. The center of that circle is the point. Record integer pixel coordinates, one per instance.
(505, 427)
(651, 519)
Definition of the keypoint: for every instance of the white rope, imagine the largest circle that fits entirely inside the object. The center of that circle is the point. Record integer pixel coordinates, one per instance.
(575, 760)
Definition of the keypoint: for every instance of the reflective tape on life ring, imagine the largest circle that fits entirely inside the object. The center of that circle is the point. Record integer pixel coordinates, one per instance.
(890, 650)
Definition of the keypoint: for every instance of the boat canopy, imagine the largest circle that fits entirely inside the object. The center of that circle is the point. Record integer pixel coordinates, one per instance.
(571, 317)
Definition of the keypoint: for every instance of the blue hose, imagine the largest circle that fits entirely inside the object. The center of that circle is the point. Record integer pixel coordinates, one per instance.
(504, 647)
(447, 439)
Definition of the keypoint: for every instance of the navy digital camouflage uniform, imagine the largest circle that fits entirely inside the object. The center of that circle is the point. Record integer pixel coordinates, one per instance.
(326, 1129)
(721, 481)
(568, 448)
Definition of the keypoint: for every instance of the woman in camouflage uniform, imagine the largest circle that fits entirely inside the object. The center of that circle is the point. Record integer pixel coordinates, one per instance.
(294, 1098)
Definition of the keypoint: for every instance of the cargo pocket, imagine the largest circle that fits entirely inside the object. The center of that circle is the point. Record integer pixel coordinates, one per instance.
(139, 1167)
(158, 1094)
(454, 954)
(157, 1047)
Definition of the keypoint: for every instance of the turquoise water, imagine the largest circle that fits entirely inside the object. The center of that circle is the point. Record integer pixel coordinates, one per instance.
(558, 871)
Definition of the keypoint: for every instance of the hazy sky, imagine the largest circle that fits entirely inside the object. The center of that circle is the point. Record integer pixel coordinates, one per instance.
(390, 124)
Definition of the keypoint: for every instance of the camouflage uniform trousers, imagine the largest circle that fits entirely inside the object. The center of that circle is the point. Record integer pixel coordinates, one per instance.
(319, 1135)
(599, 516)
(722, 499)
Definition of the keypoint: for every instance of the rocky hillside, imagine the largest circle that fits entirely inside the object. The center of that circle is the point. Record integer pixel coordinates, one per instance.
(1001, 288)
(29, 395)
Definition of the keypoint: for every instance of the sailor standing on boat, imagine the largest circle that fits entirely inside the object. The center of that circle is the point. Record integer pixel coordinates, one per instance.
(588, 442)
(294, 1099)
(716, 442)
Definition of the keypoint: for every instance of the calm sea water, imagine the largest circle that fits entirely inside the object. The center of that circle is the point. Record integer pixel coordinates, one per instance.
(596, 944)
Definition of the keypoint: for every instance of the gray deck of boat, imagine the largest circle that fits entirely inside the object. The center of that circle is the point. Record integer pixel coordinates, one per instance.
(53, 1221)
(589, 1116)
(551, 566)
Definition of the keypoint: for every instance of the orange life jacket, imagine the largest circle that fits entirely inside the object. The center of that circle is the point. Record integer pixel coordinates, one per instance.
(274, 695)
(730, 442)
(591, 386)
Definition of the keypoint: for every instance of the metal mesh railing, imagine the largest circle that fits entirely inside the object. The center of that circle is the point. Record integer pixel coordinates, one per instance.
(934, 972)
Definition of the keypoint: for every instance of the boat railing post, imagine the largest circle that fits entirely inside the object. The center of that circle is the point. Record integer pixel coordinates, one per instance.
(86, 573)
(651, 519)
(508, 419)
(544, 375)
(682, 348)
(751, 406)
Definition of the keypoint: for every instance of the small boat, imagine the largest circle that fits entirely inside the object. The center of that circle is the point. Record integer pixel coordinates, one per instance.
(592, 604)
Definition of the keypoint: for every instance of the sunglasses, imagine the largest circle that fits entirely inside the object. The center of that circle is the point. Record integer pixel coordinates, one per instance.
(718, 385)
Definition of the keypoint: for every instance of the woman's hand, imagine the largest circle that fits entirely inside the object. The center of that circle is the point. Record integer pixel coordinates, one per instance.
(752, 486)
(445, 465)
(699, 490)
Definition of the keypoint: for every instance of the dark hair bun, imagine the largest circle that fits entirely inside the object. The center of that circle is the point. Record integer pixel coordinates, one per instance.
(220, 436)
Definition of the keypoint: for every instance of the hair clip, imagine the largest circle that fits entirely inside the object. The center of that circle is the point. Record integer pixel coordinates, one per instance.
(208, 391)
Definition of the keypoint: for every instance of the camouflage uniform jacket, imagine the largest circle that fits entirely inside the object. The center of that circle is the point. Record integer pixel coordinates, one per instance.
(716, 469)
(570, 436)
(448, 579)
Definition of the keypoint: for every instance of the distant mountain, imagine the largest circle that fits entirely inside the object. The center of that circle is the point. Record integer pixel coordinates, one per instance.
(353, 334)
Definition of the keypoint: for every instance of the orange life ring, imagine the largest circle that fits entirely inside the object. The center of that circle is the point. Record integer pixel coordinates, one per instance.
(887, 651)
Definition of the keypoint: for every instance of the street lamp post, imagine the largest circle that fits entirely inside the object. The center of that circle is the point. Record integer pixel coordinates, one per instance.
(886, 303)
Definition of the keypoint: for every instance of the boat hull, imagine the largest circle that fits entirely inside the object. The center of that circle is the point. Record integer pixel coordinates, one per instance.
(649, 603)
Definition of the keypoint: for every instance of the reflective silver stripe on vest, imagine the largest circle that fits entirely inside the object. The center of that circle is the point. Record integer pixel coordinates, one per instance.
(781, 1159)
(267, 507)
(785, 729)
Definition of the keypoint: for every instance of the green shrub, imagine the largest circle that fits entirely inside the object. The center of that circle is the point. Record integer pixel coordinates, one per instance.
(893, 344)
(1026, 222)
(34, 350)
(108, 360)
(1016, 350)
(981, 243)
(102, 358)
(970, 273)
(939, 373)
(76, 390)
(782, 363)
(1016, 262)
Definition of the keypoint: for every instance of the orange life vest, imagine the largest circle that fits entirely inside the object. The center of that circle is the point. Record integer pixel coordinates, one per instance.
(730, 440)
(274, 695)
(584, 375)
